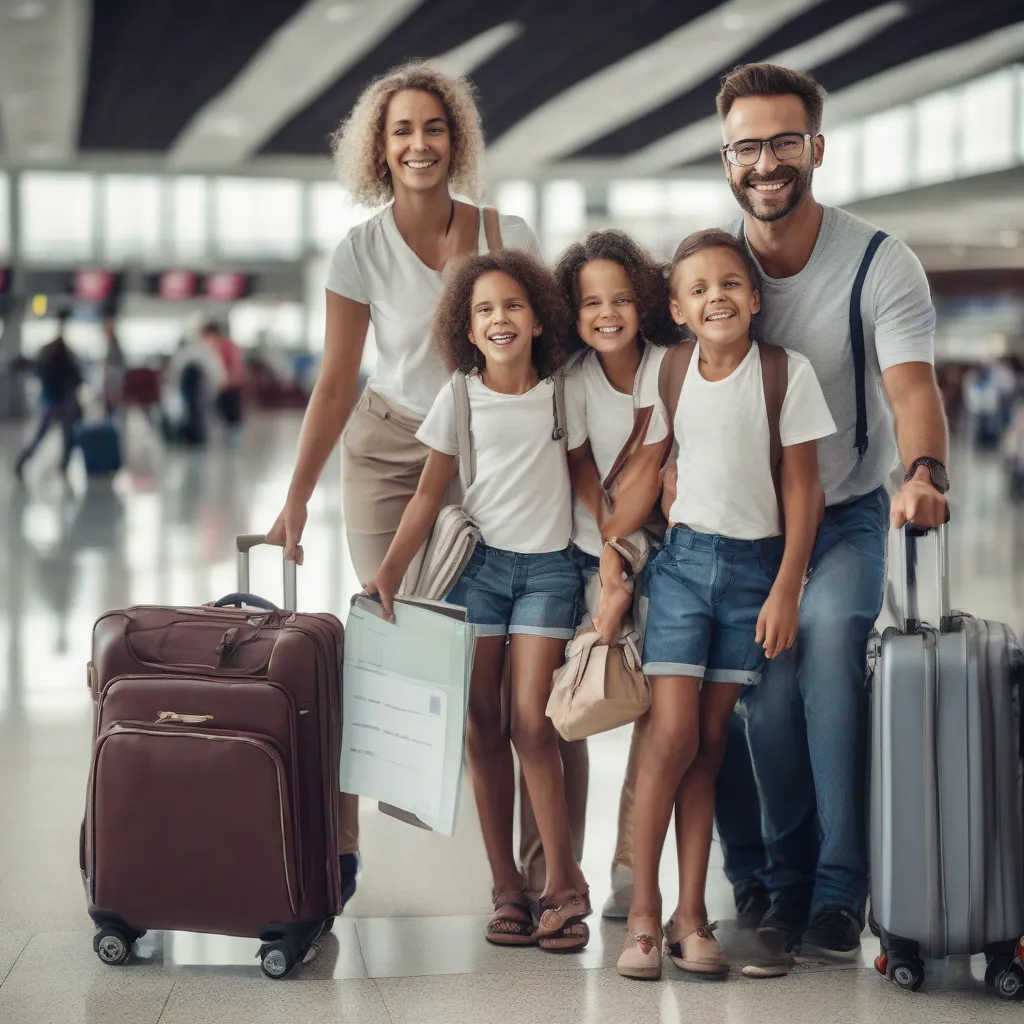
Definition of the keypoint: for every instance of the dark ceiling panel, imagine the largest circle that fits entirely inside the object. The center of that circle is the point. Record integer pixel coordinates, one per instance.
(931, 25)
(562, 44)
(154, 63)
(699, 102)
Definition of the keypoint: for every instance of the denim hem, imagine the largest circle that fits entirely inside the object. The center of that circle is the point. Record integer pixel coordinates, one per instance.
(732, 675)
(547, 631)
(672, 668)
(489, 629)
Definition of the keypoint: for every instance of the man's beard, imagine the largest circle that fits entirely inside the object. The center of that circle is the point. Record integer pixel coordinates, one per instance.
(801, 186)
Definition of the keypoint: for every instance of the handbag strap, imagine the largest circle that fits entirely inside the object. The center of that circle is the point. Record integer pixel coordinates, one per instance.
(641, 423)
(467, 453)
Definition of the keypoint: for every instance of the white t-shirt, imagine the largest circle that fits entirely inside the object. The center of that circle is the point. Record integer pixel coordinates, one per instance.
(598, 413)
(520, 497)
(374, 265)
(721, 427)
(811, 312)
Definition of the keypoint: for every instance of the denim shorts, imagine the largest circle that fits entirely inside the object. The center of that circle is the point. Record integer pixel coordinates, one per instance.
(705, 594)
(538, 594)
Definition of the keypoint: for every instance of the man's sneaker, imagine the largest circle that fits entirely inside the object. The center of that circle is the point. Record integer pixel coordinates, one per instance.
(833, 932)
(616, 907)
(752, 903)
(780, 929)
(349, 864)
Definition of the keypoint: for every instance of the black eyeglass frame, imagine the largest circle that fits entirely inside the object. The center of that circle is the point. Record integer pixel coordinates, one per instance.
(729, 149)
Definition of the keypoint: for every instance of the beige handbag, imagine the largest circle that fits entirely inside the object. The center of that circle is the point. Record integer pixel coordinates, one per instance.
(600, 686)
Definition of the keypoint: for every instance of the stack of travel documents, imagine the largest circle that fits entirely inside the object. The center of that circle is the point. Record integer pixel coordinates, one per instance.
(405, 693)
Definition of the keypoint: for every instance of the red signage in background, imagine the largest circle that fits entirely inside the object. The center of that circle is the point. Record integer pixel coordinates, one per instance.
(227, 285)
(178, 284)
(94, 285)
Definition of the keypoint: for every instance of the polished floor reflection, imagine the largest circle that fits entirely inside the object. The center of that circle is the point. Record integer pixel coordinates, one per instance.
(410, 947)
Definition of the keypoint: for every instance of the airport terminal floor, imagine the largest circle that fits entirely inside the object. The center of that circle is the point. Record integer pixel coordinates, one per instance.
(410, 946)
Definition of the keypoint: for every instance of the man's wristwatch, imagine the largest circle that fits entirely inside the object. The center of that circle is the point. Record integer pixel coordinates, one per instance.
(936, 470)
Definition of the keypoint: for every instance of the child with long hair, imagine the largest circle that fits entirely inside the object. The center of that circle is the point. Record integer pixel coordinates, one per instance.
(500, 321)
(724, 588)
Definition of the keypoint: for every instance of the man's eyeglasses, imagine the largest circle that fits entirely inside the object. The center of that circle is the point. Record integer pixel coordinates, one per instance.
(786, 146)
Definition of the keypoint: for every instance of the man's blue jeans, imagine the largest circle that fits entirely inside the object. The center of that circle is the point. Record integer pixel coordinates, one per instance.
(807, 723)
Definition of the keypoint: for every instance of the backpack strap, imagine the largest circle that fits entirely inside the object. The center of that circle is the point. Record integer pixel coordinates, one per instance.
(467, 454)
(492, 228)
(857, 342)
(774, 383)
(559, 433)
(672, 376)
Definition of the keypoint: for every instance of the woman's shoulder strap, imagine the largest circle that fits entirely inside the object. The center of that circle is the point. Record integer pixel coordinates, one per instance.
(492, 228)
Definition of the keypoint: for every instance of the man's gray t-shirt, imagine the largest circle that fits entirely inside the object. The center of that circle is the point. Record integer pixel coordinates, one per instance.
(810, 313)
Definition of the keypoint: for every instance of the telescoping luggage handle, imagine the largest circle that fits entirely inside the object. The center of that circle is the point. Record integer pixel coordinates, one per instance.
(245, 543)
(911, 607)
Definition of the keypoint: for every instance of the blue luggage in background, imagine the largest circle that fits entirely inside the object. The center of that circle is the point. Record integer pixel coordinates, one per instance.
(101, 446)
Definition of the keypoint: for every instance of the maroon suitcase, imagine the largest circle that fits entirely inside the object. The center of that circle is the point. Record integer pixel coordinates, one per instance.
(212, 797)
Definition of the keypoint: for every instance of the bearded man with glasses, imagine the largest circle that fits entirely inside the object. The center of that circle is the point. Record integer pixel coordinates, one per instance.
(856, 303)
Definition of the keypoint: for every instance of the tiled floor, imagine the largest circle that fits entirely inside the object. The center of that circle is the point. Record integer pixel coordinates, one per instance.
(410, 947)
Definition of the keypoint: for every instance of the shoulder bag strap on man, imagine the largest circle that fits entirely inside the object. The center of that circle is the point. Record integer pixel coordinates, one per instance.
(467, 455)
(774, 383)
(674, 368)
(857, 342)
(492, 228)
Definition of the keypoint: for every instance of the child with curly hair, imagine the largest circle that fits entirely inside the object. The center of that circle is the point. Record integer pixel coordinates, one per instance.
(500, 321)
(619, 295)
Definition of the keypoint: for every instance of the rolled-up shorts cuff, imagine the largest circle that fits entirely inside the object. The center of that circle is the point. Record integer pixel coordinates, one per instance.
(553, 632)
(489, 629)
(673, 668)
(732, 675)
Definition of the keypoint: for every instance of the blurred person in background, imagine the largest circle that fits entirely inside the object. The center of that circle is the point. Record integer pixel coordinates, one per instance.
(60, 376)
(113, 368)
(194, 375)
(985, 404)
(231, 391)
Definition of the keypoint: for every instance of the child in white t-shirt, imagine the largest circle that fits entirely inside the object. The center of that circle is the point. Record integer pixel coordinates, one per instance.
(724, 588)
(620, 299)
(501, 320)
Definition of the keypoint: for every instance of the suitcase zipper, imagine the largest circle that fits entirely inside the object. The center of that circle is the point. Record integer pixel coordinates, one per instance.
(145, 729)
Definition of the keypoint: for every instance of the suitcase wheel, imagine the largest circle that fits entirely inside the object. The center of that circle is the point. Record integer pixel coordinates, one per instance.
(277, 959)
(112, 946)
(905, 973)
(1006, 977)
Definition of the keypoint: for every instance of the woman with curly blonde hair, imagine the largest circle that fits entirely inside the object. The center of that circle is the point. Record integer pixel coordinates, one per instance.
(412, 139)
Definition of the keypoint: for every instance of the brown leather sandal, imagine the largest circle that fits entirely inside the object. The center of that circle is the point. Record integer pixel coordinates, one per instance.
(562, 928)
(512, 923)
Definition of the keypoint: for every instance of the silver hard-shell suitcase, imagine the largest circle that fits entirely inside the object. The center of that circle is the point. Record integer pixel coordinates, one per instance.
(947, 837)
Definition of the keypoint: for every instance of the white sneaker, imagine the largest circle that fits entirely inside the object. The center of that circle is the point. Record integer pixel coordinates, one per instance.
(616, 907)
